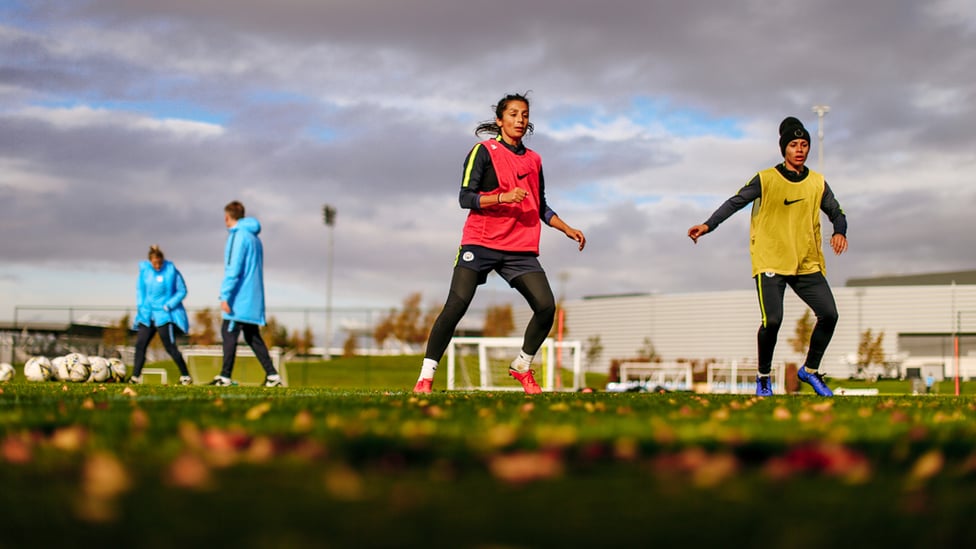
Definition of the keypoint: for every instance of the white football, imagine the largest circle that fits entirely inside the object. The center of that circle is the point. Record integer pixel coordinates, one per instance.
(7, 372)
(78, 367)
(100, 370)
(37, 368)
(118, 369)
(59, 368)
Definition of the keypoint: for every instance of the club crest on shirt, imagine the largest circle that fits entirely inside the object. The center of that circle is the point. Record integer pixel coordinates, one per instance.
(468, 256)
(159, 278)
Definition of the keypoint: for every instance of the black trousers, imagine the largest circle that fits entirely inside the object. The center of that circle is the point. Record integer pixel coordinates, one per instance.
(534, 287)
(167, 334)
(230, 330)
(815, 292)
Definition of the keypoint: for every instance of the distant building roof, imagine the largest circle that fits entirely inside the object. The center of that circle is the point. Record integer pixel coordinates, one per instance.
(615, 296)
(927, 279)
(7, 326)
(74, 328)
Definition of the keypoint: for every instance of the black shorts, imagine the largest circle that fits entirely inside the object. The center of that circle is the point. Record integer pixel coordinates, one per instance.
(510, 265)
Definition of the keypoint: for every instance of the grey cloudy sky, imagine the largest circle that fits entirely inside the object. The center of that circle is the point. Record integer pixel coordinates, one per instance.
(125, 123)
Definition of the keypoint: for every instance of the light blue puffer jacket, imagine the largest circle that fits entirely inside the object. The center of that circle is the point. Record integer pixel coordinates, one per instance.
(243, 286)
(159, 296)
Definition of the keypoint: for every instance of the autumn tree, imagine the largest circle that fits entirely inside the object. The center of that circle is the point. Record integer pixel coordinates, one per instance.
(302, 341)
(275, 334)
(117, 334)
(594, 348)
(870, 349)
(499, 321)
(801, 334)
(384, 329)
(408, 325)
(430, 316)
(349, 346)
(204, 327)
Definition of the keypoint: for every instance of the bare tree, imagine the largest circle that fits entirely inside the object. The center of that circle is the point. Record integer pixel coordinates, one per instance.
(647, 350)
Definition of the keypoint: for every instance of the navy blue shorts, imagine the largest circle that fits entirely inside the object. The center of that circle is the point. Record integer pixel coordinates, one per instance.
(510, 265)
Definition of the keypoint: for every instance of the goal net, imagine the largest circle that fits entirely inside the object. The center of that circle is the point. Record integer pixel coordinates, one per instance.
(481, 363)
(205, 362)
(739, 377)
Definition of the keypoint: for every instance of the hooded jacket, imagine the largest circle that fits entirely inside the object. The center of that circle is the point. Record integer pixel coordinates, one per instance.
(243, 285)
(159, 296)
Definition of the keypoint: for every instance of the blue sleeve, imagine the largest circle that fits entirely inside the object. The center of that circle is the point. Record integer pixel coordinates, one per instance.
(140, 288)
(234, 269)
(180, 294)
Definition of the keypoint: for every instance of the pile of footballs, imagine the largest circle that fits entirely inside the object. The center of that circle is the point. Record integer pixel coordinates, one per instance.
(74, 367)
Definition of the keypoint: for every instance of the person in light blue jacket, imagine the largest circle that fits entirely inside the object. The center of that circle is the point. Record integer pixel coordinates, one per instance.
(242, 294)
(159, 309)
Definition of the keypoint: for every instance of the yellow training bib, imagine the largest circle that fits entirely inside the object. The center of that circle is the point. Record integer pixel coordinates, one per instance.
(785, 228)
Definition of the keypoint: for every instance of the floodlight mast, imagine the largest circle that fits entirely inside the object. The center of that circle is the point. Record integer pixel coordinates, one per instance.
(328, 216)
(821, 110)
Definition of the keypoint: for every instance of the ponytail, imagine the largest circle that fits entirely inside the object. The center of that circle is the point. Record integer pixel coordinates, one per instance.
(491, 126)
(156, 251)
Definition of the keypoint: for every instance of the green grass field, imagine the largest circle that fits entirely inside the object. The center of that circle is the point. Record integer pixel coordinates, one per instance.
(326, 463)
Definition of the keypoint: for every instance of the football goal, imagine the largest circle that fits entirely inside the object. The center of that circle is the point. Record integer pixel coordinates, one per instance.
(205, 361)
(739, 377)
(481, 363)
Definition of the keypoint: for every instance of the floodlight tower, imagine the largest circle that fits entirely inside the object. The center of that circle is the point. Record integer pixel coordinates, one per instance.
(328, 216)
(821, 110)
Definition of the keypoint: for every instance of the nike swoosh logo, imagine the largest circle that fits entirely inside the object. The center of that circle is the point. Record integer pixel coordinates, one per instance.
(788, 202)
(522, 176)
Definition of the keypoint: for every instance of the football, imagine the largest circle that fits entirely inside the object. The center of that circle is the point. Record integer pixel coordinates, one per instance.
(100, 370)
(117, 367)
(37, 368)
(7, 372)
(78, 367)
(59, 368)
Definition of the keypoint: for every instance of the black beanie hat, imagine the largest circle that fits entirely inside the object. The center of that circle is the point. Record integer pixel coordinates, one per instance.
(789, 129)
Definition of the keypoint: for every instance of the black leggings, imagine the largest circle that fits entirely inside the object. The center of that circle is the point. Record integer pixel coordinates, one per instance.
(229, 332)
(533, 286)
(814, 291)
(167, 334)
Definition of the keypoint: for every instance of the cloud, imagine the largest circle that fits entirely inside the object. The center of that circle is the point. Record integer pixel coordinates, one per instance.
(126, 123)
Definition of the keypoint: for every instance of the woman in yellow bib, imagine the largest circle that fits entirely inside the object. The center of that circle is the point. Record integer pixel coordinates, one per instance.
(786, 250)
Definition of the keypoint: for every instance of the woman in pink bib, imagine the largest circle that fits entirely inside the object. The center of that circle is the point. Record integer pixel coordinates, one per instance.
(503, 188)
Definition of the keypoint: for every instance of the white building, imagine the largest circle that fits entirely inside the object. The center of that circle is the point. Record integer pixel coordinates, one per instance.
(919, 316)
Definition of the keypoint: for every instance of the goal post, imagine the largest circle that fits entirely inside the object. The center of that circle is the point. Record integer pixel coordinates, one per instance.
(481, 363)
(205, 362)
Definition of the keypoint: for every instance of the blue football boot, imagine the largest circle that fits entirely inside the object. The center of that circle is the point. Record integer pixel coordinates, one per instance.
(764, 386)
(816, 380)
